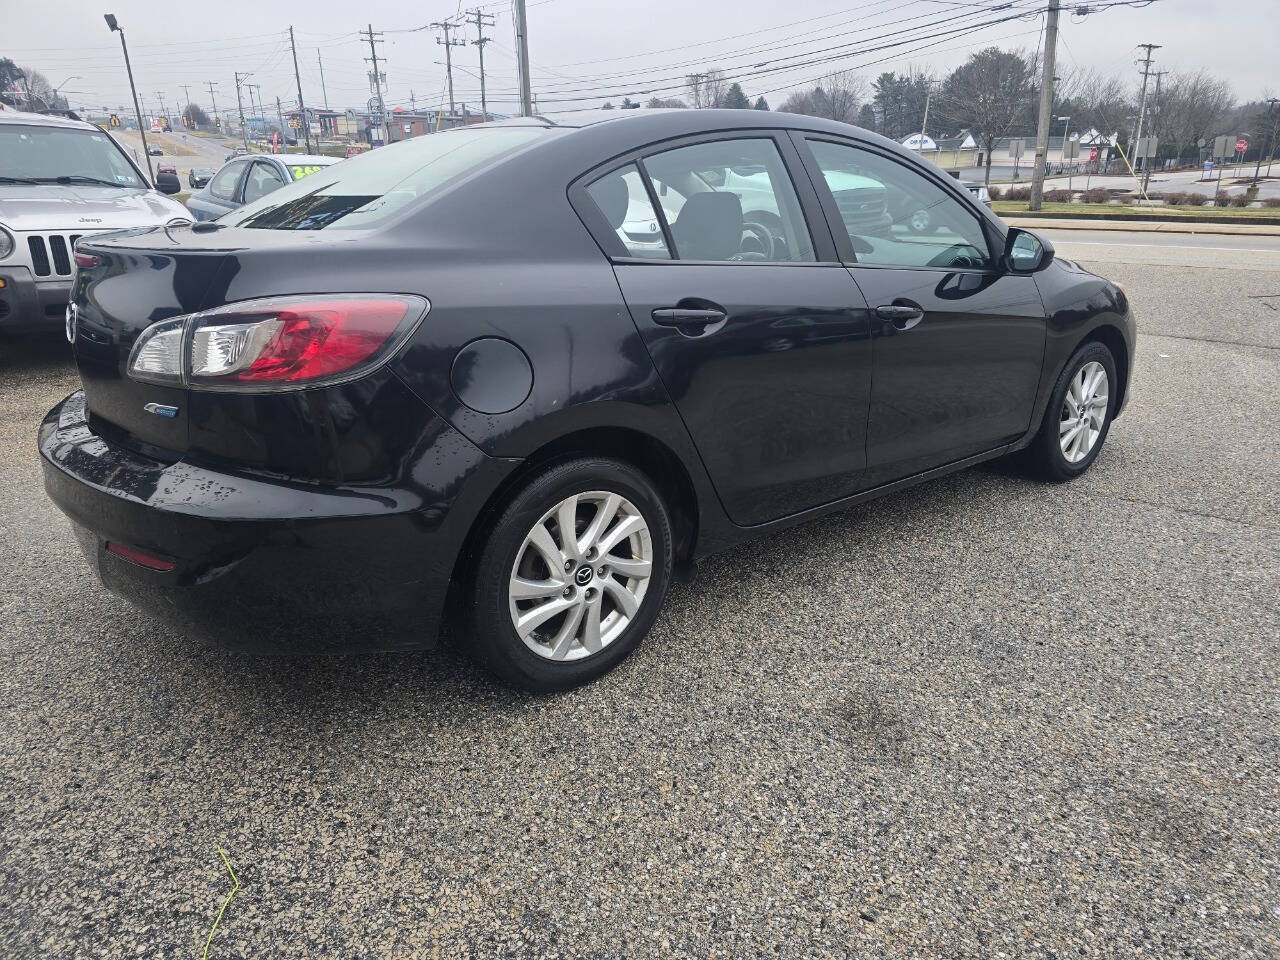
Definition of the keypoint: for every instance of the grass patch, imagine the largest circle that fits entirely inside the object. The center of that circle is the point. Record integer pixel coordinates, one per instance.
(1105, 210)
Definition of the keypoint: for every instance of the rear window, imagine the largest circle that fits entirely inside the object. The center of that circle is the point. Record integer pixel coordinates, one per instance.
(365, 190)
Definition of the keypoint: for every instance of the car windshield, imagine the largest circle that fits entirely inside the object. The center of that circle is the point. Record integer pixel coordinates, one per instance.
(59, 154)
(366, 189)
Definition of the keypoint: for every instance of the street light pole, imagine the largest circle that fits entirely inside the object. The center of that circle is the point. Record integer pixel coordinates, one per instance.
(1269, 142)
(116, 28)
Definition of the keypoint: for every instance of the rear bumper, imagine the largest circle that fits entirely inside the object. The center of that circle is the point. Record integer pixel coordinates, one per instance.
(27, 306)
(262, 564)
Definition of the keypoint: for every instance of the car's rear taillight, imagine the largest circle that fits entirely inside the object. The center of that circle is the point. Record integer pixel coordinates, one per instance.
(277, 343)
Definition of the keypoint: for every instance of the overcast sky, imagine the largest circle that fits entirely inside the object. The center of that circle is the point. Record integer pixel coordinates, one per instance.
(586, 51)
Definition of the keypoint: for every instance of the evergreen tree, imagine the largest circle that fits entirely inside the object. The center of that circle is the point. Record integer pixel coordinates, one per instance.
(735, 99)
(761, 103)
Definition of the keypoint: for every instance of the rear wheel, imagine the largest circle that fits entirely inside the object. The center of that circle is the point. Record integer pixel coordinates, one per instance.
(1078, 417)
(572, 575)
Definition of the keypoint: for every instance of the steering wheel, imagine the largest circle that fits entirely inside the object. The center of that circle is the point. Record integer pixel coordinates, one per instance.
(957, 255)
(760, 233)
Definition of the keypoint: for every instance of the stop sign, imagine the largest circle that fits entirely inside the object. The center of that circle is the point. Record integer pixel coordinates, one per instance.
(1242, 145)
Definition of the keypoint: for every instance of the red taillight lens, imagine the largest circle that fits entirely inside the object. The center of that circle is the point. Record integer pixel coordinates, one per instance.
(148, 560)
(86, 261)
(278, 343)
(319, 339)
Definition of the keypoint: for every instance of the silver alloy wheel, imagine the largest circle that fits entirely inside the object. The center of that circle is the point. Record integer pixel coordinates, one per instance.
(580, 576)
(1084, 411)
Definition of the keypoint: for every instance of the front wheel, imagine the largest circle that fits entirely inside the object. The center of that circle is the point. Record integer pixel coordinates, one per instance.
(572, 575)
(1078, 417)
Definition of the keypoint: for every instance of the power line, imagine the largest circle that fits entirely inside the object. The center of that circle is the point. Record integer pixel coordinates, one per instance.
(448, 44)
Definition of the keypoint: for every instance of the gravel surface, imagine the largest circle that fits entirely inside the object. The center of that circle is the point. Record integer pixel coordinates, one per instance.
(982, 718)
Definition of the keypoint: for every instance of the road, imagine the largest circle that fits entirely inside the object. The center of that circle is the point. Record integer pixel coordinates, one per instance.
(985, 717)
(183, 150)
(1175, 181)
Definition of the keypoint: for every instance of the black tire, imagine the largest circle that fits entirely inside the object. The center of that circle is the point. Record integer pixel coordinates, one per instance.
(1045, 454)
(493, 635)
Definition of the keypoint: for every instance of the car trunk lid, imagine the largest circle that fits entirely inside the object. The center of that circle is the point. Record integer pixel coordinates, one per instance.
(125, 282)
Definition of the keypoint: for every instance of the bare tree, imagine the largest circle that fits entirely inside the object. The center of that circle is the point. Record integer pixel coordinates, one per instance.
(706, 89)
(1192, 106)
(838, 97)
(987, 94)
(665, 103)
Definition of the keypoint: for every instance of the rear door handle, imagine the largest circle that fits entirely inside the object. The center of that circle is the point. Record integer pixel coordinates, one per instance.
(900, 315)
(682, 316)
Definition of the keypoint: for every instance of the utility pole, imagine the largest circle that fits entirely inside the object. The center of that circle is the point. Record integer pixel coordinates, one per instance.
(1066, 127)
(1263, 144)
(377, 80)
(482, 20)
(522, 55)
(280, 117)
(255, 111)
(1046, 105)
(213, 100)
(137, 109)
(244, 131)
(448, 44)
(928, 95)
(164, 111)
(1155, 115)
(1142, 100)
(302, 108)
(324, 90)
(186, 91)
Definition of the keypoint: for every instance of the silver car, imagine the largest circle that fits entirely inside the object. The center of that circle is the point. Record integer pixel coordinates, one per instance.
(60, 180)
(246, 178)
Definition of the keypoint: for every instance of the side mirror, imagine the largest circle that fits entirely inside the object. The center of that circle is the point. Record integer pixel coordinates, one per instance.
(168, 183)
(1026, 252)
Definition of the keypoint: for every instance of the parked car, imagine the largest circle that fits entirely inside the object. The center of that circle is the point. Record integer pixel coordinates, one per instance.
(440, 362)
(61, 180)
(237, 152)
(199, 176)
(245, 179)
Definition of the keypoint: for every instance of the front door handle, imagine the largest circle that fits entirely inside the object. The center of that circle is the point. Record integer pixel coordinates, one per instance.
(683, 316)
(901, 315)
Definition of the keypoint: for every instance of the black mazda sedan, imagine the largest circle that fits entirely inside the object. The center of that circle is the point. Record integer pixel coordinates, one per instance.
(551, 363)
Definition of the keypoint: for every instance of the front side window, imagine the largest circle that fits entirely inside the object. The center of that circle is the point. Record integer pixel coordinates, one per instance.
(624, 202)
(730, 200)
(367, 189)
(897, 217)
(223, 186)
(50, 155)
(263, 178)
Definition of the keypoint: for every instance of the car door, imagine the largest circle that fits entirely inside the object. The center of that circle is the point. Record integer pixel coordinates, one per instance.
(958, 342)
(221, 194)
(757, 331)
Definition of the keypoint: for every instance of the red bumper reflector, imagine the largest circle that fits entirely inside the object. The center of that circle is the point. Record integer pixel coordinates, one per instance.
(86, 261)
(147, 560)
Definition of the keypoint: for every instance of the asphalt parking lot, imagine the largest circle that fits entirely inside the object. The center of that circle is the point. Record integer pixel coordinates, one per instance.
(982, 718)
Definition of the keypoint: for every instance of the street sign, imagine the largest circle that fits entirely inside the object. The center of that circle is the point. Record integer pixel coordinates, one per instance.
(1071, 150)
(115, 121)
(1146, 147)
(1223, 146)
(295, 122)
(408, 128)
(1093, 154)
(1016, 148)
(1242, 145)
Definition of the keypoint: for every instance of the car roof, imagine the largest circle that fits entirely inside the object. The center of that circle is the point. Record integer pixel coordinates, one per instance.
(43, 120)
(312, 158)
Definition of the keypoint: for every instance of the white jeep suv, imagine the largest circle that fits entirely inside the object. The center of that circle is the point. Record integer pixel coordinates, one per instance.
(60, 180)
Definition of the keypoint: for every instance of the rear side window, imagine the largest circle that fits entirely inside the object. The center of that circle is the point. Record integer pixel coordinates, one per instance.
(730, 200)
(365, 190)
(263, 178)
(622, 198)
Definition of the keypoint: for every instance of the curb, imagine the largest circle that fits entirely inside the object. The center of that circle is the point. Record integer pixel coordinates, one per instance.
(1145, 226)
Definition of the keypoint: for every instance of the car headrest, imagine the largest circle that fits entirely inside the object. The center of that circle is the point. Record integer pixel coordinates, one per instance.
(611, 196)
(709, 227)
